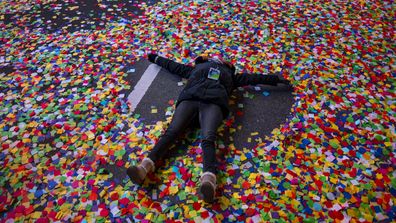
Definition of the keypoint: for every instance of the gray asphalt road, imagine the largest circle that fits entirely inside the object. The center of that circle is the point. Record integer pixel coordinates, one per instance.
(77, 15)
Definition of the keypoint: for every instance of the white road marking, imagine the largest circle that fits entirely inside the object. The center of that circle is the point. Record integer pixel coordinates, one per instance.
(142, 85)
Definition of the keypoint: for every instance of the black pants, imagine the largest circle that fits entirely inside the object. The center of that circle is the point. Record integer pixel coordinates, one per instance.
(210, 117)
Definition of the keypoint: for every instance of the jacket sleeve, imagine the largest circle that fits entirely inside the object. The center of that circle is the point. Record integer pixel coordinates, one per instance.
(173, 67)
(254, 79)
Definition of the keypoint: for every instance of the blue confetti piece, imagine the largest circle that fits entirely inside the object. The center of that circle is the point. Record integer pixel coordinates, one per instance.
(347, 195)
(38, 193)
(306, 76)
(317, 206)
(266, 93)
(306, 142)
(377, 209)
(308, 210)
(346, 150)
(362, 150)
(51, 184)
(378, 153)
(275, 215)
(281, 187)
(393, 191)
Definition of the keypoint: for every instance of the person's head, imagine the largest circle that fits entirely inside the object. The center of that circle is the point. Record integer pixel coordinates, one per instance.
(206, 58)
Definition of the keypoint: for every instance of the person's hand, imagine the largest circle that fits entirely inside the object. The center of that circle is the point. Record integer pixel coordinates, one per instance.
(284, 81)
(151, 57)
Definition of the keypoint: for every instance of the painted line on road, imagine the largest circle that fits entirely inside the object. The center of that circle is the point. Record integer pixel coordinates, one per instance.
(142, 85)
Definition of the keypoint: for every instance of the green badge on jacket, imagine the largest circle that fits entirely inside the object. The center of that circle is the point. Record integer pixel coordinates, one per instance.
(214, 74)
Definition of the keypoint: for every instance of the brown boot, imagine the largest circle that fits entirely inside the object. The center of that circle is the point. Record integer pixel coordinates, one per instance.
(208, 186)
(138, 173)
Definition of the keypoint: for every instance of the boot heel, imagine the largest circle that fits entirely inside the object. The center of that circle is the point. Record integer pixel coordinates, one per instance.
(208, 192)
(133, 173)
(138, 173)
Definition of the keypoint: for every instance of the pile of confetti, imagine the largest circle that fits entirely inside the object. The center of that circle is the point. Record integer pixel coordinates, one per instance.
(67, 132)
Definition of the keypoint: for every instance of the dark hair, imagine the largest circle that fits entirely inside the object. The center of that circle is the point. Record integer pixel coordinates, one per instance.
(204, 59)
(201, 59)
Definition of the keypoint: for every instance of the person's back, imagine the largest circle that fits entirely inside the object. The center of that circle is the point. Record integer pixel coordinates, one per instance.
(210, 82)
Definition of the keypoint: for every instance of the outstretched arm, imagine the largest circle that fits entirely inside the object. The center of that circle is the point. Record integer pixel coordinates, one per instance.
(254, 79)
(173, 67)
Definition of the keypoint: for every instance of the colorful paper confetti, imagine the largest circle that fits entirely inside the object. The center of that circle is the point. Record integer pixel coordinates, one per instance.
(67, 133)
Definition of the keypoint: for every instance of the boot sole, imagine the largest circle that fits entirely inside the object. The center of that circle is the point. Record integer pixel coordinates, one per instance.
(207, 192)
(133, 175)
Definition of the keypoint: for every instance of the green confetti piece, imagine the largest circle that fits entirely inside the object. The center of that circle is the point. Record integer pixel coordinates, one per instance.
(393, 182)
(309, 220)
(182, 195)
(334, 143)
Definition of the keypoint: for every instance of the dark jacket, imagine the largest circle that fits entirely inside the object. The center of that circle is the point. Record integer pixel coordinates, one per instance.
(200, 87)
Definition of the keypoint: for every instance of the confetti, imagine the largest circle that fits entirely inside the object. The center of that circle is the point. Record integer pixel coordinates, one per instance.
(67, 132)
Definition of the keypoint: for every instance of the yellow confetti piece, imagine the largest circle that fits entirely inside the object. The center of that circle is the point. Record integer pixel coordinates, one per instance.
(288, 193)
(36, 215)
(192, 214)
(224, 202)
(294, 203)
(48, 67)
(11, 116)
(149, 216)
(368, 217)
(173, 190)
(24, 160)
(333, 180)
(189, 189)
(236, 195)
(59, 215)
(103, 192)
(26, 140)
(90, 135)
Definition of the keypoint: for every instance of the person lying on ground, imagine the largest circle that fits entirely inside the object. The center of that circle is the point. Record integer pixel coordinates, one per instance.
(205, 97)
